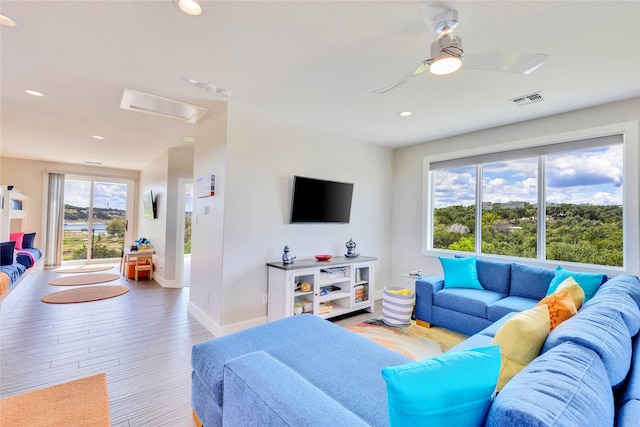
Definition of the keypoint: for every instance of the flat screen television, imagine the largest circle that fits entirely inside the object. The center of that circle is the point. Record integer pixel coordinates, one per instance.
(316, 200)
(148, 204)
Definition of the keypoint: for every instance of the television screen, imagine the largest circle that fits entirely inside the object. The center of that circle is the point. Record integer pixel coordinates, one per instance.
(316, 200)
(148, 205)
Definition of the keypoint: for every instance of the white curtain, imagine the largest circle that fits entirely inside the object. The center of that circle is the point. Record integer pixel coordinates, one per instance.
(55, 216)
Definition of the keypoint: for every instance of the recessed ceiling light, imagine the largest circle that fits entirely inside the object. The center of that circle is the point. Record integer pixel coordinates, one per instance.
(97, 137)
(189, 139)
(93, 162)
(34, 92)
(190, 7)
(405, 113)
(6, 21)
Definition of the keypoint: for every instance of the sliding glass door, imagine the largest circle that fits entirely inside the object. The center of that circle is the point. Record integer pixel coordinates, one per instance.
(96, 218)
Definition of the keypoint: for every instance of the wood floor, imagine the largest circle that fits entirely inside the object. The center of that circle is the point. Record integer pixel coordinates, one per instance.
(142, 340)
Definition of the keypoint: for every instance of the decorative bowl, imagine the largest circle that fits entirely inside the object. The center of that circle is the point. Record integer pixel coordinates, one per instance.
(323, 257)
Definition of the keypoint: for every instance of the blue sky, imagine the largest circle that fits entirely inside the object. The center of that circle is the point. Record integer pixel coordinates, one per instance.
(581, 177)
(112, 195)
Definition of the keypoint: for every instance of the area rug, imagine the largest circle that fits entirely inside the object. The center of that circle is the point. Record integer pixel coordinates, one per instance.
(83, 402)
(85, 294)
(414, 341)
(88, 268)
(84, 279)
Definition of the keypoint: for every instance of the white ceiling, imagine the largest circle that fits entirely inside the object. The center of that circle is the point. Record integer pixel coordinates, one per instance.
(308, 62)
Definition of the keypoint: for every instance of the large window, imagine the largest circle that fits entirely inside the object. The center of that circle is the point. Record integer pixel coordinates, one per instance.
(558, 202)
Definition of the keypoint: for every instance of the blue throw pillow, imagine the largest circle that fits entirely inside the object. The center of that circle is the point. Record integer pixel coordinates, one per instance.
(460, 273)
(27, 240)
(452, 389)
(7, 256)
(589, 282)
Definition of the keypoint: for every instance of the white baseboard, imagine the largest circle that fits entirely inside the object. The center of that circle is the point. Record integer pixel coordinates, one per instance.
(164, 282)
(218, 330)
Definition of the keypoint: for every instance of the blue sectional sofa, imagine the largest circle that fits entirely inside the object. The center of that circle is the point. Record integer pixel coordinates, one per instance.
(305, 371)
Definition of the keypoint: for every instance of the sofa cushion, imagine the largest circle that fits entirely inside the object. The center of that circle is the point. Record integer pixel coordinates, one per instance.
(460, 273)
(468, 301)
(259, 387)
(509, 304)
(589, 282)
(627, 415)
(613, 299)
(632, 391)
(494, 276)
(575, 291)
(602, 330)
(520, 340)
(626, 283)
(452, 389)
(492, 329)
(530, 282)
(17, 237)
(567, 386)
(7, 253)
(561, 307)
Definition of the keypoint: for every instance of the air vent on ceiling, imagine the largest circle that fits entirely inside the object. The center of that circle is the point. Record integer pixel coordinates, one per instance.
(146, 103)
(527, 99)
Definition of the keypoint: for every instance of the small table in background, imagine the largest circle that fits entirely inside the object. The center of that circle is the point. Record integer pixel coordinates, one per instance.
(410, 280)
(128, 254)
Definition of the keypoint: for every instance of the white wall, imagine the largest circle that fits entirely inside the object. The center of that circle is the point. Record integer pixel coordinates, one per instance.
(161, 177)
(262, 155)
(407, 226)
(30, 177)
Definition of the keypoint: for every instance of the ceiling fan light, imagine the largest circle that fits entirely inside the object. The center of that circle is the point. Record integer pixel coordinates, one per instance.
(445, 65)
(190, 7)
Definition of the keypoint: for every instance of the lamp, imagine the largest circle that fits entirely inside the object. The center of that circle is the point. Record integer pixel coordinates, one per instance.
(446, 52)
(190, 7)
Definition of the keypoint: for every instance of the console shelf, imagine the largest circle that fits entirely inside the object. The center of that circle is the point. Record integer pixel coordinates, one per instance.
(339, 286)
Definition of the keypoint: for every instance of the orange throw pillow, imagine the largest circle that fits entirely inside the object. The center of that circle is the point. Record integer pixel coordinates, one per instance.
(561, 307)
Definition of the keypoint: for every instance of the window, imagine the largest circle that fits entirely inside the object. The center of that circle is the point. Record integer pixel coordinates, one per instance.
(557, 202)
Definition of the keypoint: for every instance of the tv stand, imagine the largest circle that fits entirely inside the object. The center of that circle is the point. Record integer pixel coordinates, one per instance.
(325, 288)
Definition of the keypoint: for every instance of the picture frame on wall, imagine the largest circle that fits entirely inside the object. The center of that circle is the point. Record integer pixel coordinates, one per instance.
(205, 186)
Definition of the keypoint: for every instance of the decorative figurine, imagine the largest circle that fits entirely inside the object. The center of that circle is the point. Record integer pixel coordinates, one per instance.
(351, 249)
(286, 256)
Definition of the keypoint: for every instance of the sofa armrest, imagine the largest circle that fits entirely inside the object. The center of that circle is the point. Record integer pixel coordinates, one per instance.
(425, 288)
(258, 387)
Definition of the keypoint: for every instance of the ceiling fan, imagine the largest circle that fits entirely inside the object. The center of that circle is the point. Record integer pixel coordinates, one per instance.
(447, 55)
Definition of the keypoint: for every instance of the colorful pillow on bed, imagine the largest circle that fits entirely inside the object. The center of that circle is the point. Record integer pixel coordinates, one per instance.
(17, 237)
(7, 253)
(27, 240)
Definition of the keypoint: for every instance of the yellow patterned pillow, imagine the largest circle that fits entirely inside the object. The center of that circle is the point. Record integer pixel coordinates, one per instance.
(561, 307)
(520, 340)
(577, 294)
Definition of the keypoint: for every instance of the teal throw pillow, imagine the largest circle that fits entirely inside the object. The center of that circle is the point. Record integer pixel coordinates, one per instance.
(454, 389)
(460, 273)
(589, 282)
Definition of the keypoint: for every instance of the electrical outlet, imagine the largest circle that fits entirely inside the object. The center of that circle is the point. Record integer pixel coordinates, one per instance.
(265, 298)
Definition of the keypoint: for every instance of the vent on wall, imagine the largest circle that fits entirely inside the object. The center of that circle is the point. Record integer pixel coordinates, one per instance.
(146, 103)
(527, 99)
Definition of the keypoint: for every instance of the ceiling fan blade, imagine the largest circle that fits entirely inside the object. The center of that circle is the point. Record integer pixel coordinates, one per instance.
(510, 62)
(421, 68)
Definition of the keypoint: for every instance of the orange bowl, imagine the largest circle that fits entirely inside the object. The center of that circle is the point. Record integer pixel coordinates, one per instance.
(323, 257)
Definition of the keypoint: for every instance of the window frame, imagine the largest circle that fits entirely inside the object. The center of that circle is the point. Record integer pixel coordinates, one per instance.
(631, 212)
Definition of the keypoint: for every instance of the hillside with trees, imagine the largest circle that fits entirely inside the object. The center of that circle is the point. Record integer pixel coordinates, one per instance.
(590, 234)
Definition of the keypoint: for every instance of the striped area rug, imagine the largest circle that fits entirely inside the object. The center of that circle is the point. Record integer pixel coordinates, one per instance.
(415, 342)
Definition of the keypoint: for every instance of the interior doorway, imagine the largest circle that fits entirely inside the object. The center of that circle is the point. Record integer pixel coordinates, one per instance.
(184, 216)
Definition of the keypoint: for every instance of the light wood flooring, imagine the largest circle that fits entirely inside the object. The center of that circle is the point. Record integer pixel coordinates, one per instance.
(142, 340)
